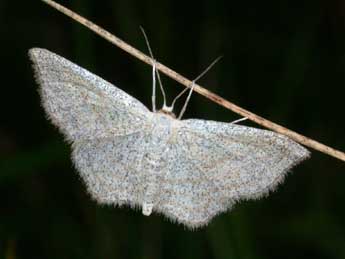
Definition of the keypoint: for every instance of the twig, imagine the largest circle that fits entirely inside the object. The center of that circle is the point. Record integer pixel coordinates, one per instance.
(197, 88)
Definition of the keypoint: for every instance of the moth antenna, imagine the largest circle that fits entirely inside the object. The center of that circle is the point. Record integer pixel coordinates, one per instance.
(153, 87)
(161, 87)
(208, 68)
(178, 96)
(187, 100)
(192, 87)
(154, 72)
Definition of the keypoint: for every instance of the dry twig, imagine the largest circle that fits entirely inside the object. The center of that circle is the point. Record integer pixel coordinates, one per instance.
(197, 88)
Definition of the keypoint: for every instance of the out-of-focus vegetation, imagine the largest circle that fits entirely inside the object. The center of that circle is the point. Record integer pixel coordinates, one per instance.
(284, 60)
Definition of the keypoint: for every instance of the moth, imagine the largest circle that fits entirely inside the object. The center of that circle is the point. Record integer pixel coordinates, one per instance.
(190, 170)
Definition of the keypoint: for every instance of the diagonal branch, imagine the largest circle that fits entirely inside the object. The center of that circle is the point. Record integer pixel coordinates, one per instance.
(197, 88)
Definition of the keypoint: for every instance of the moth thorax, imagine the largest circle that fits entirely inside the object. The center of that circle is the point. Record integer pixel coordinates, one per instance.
(167, 111)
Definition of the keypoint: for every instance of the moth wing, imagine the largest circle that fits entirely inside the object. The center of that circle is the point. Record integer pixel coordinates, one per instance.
(111, 168)
(242, 161)
(215, 164)
(186, 194)
(81, 104)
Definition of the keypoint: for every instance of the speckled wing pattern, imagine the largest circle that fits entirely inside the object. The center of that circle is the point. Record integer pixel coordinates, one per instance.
(217, 164)
(81, 104)
(189, 170)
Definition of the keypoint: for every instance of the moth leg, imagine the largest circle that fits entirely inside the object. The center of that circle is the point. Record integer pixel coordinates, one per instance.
(239, 120)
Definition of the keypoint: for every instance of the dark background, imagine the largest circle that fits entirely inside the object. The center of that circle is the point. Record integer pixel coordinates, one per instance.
(283, 60)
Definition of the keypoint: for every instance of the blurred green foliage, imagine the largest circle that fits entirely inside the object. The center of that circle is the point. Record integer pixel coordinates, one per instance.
(284, 60)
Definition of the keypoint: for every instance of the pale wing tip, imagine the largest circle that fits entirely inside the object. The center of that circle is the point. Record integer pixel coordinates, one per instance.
(35, 53)
(301, 152)
(38, 57)
(306, 154)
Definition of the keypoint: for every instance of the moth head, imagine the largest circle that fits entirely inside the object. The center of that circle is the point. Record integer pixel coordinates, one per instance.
(167, 110)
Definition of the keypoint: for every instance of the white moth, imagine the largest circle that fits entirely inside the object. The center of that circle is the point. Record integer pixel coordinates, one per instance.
(189, 170)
